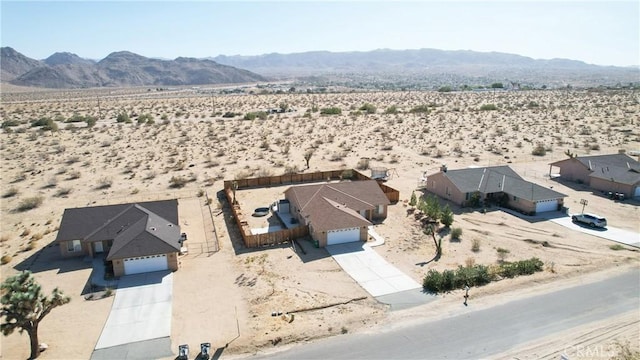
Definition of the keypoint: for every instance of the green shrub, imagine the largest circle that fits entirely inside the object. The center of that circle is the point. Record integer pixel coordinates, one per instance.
(123, 117)
(178, 181)
(445, 89)
(368, 108)
(10, 123)
(475, 245)
(331, 111)
(539, 150)
(488, 107)
(616, 247)
(391, 110)
(446, 218)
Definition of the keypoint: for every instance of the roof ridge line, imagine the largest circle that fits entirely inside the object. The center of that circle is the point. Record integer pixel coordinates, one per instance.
(349, 195)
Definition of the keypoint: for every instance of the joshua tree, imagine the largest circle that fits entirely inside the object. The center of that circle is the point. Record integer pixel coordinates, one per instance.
(24, 306)
(307, 156)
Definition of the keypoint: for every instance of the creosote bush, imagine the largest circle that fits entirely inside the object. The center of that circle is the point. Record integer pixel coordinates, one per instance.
(30, 203)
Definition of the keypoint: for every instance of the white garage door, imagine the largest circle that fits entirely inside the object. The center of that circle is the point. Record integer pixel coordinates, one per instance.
(546, 205)
(145, 264)
(343, 236)
(637, 193)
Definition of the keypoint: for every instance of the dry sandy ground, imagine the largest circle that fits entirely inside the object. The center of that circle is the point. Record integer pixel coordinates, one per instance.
(235, 290)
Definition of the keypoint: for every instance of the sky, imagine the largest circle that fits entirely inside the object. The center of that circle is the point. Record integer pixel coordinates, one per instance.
(596, 32)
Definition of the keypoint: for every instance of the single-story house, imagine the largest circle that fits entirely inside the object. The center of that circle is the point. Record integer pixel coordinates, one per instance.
(338, 213)
(616, 173)
(495, 183)
(137, 238)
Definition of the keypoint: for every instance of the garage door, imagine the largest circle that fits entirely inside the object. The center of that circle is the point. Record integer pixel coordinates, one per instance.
(546, 205)
(343, 236)
(145, 264)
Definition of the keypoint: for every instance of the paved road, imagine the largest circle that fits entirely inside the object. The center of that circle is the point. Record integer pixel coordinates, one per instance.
(482, 333)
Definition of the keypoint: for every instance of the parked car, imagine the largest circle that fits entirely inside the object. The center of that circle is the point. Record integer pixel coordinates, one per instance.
(590, 219)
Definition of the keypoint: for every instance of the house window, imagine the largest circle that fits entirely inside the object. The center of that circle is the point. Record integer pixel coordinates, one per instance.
(467, 196)
(515, 198)
(74, 246)
(380, 209)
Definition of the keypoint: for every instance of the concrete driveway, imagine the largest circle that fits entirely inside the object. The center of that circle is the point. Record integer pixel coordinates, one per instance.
(141, 310)
(371, 270)
(619, 235)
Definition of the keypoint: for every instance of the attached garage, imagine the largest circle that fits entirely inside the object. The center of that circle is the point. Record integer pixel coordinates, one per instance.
(145, 264)
(342, 236)
(546, 205)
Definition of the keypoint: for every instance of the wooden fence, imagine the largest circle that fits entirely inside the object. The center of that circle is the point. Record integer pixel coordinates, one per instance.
(257, 240)
(278, 237)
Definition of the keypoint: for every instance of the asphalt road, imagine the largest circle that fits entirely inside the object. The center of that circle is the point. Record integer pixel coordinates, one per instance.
(482, 333)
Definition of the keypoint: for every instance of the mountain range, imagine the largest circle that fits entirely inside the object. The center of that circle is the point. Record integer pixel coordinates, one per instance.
(118, 69)
(428, 67)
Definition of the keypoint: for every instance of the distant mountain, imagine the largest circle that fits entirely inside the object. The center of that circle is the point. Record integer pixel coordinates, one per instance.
(66, 70)
(14, 64)
(66, 58)
(409, 64)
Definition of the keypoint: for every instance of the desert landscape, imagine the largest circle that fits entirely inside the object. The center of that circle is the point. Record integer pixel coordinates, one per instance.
(74, 148)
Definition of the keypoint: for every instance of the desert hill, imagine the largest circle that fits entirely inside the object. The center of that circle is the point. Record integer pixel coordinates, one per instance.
(440, 65)
(66, 70)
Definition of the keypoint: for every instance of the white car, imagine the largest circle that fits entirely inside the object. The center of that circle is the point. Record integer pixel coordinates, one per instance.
(590, 219)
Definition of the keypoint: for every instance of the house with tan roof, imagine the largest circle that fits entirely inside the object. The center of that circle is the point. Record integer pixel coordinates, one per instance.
(338, 213)
(616, 173)
(136, 238)
(499, 184)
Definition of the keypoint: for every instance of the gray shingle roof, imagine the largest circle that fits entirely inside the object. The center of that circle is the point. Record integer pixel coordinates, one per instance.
(147, 228)
(499, 179)
(614, 167)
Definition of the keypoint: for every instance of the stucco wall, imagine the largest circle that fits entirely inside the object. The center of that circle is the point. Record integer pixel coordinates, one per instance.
(118, 267)
(439, 185)
(574, 170)
(67, 254)
(607, 185)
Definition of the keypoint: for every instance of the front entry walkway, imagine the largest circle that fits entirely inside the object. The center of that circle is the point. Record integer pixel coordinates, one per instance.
(371, 270)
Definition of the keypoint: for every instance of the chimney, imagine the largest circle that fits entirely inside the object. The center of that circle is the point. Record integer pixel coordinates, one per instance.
(443, 168)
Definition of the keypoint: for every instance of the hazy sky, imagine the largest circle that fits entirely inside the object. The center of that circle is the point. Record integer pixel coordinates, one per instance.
(597, 32)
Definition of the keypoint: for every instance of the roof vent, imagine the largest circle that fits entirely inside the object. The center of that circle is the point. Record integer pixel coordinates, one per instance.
(152, 228)
(170, 225)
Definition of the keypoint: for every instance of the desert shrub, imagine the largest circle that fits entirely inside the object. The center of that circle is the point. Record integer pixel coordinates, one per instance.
(331, 111)
(9, 123)
(420, 109)
(456, 233)
(502, 253)
(413, 200)
(368, 108)
(363, 164)
(74, 175)
(391, 110)
(145, 119)
(11, 192)
(445, 89)
(178, 181)
(250, 116)
(616, 247)
(63, 192)
(432, 281)
(475, 245)
(104, 183)
(230, 114)
(488, 107)
(497, 85)
(522, 267)
(5, 259)
(30, 203)
(539, 150)
(123, 117)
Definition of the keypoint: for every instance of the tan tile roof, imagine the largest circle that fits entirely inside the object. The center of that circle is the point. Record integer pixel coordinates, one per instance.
(337, 205)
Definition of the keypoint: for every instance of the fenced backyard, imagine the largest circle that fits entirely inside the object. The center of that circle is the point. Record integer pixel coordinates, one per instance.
(286, 235)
